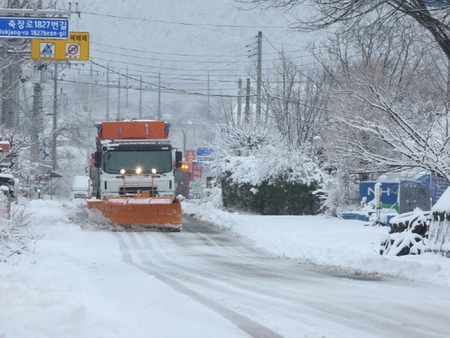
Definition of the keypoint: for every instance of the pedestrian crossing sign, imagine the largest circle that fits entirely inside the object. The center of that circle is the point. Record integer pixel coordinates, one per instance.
(47, 50)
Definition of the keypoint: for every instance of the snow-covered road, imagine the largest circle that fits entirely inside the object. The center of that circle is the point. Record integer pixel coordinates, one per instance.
(202, 282)
(269, 297)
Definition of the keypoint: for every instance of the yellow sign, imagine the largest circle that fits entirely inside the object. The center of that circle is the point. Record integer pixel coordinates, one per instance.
(75, 48)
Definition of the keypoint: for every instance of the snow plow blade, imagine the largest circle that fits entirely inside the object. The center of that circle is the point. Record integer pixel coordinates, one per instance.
(148, 212)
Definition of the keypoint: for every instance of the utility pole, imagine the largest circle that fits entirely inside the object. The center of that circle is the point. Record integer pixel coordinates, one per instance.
(239, 103)
(159, 96)
(6, 87)
(37, 107)
(10, 85)
(55, 112)
(88, 155)
(119, 117)
(267, 109)
(258, 79)
(107, 92)
(209, 101)
(247, 102)
(10, 79)
(37, 113)
(17, 74)
(140, 97)
(126, 88)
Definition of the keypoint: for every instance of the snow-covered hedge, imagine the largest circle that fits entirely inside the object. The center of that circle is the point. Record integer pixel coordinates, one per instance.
(278, 198)
(262, 173)
(271, 164)
(248, 155)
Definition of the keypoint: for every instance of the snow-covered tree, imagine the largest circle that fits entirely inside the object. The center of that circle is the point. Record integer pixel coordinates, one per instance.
(298, 102)
(374, 66)
(17, 161)
(384, 133)
(387, 115)
(432, 16)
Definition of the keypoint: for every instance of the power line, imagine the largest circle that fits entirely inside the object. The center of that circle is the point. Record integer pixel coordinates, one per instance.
(242, 43)
(165, 89)
(199, 25)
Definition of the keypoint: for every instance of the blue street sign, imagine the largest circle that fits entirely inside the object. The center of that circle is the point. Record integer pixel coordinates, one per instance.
(202, 163)
(47, 163)
(18, 27)
(204, 152)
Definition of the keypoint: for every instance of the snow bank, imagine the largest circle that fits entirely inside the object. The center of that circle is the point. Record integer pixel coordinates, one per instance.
(331, 242)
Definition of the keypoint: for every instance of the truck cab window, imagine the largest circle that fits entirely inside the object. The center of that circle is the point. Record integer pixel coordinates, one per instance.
(161, 160)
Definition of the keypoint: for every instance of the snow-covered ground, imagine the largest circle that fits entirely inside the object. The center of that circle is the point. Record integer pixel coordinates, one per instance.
(326, 241)
(62, 289)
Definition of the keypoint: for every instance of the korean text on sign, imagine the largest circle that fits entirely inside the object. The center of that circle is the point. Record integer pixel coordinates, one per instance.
(79, 37)
(34, 27)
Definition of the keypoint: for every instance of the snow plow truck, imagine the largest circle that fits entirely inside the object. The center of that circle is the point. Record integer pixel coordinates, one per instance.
(132, 175)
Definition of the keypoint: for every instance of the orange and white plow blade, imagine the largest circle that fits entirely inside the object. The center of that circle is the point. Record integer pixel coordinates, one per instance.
(138, 211)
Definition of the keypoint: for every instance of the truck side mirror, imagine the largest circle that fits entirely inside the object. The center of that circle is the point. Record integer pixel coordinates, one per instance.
(178, 159)
(97, 159)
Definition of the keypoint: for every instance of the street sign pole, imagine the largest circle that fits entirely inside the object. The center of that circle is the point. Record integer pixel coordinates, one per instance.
(19, 23)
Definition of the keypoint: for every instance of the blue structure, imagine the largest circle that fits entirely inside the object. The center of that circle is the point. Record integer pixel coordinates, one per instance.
(392, 184)
(389, 193)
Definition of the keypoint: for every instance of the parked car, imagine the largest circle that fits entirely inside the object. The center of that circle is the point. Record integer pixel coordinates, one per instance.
(81, 186)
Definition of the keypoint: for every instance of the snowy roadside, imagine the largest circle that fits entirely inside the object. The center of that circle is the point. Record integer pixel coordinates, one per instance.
(73, 283)
(345, 245)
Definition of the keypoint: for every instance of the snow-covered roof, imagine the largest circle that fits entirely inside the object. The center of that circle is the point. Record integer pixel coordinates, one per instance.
(443, 204)
(399, 176)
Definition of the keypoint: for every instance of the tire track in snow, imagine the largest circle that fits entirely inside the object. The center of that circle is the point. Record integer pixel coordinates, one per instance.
(247, 325)
(318, 303)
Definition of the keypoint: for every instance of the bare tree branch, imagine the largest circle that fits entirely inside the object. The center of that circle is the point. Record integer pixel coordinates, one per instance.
(431, 15)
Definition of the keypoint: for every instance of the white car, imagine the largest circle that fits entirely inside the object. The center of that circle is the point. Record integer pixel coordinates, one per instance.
(81, 186)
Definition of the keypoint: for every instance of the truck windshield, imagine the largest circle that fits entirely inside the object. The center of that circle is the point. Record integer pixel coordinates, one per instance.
(114, 161)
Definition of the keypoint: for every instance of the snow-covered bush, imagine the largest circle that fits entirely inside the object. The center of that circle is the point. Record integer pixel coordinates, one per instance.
(215, 196)
(260, 172)
(250, 155)
(339, 194)
(15, 235)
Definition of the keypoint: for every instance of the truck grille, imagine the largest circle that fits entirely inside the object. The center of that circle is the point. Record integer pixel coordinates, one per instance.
(132, 191)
